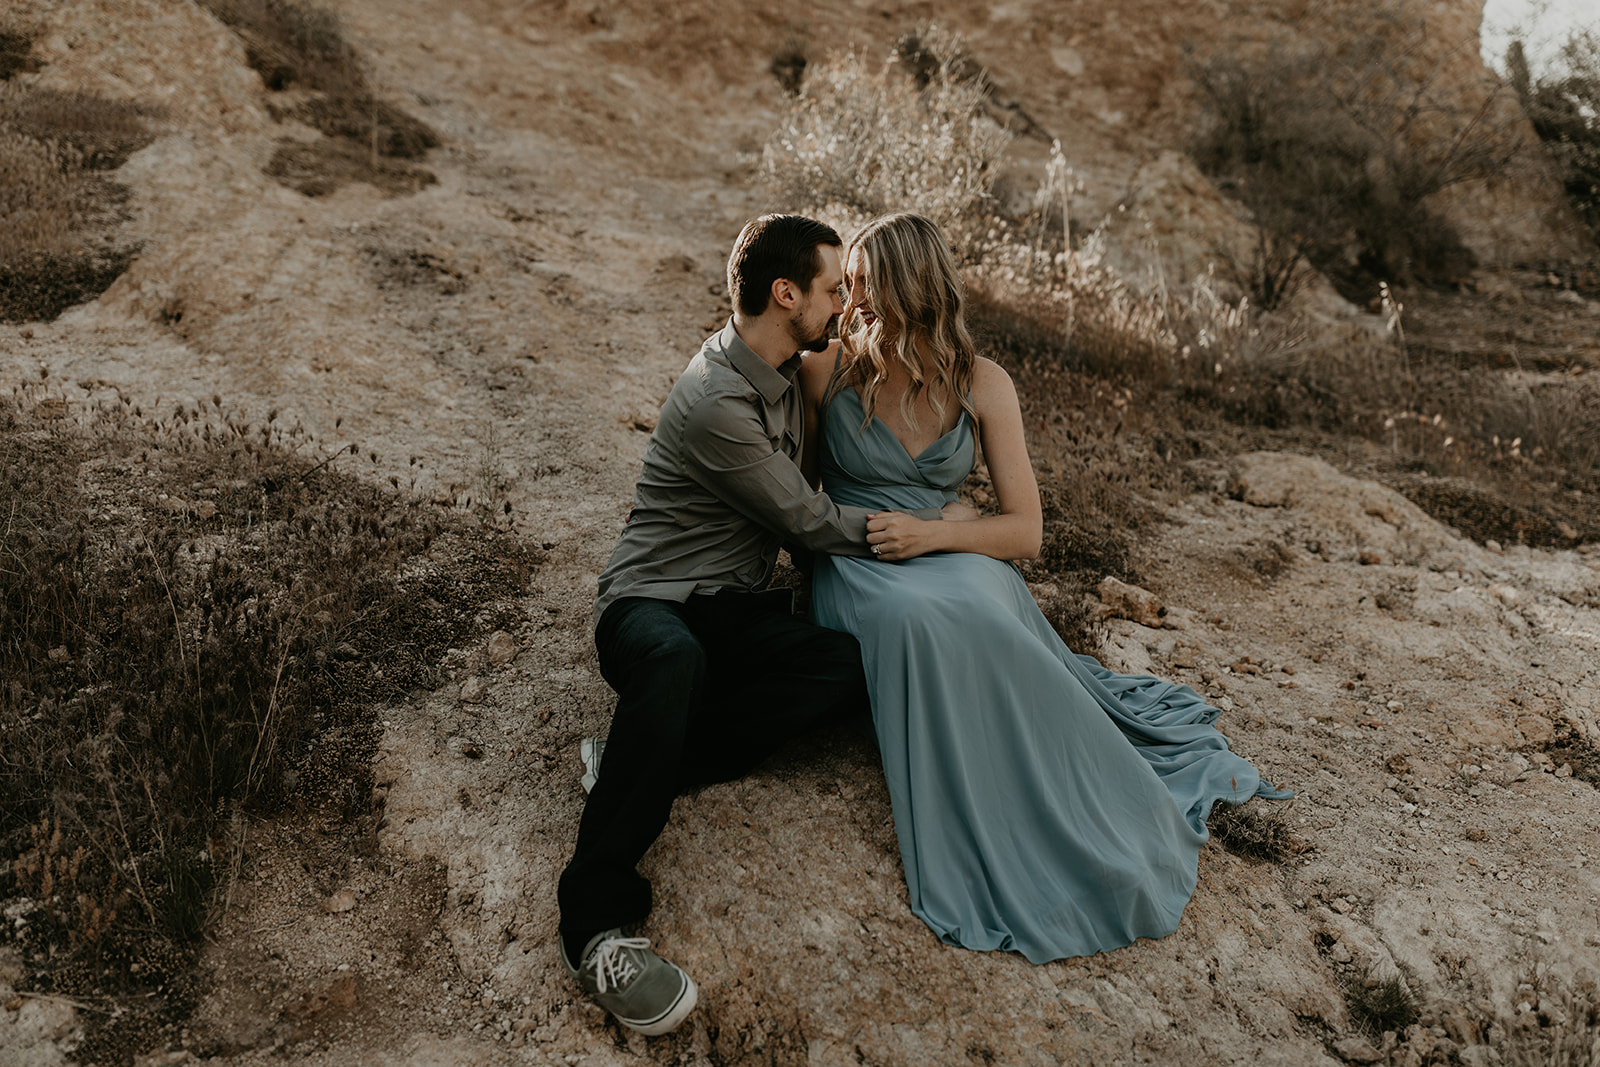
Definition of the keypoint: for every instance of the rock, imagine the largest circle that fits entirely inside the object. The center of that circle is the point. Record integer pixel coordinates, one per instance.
(1179, 619)
(342, 901)
(1369, 558)
(1535, 729)
(1357, 1050)
(474, 690)
(1341, 953)
(1564, 771)
(502, 648)
(1124, 601)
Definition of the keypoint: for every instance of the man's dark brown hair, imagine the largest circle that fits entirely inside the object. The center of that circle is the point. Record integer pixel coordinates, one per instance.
(773, 247)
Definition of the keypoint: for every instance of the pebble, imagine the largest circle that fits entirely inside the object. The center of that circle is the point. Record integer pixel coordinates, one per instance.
(340, 902)
(474, 690)
(1357, 1050)
(502, 648)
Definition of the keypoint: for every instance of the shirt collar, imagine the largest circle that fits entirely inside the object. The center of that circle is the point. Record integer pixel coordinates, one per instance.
(770, 382)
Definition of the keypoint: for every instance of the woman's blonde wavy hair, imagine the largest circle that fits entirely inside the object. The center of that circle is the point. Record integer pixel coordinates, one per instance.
(916, 294)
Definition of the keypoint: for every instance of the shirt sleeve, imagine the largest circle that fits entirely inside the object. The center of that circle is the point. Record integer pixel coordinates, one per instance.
(726, 449)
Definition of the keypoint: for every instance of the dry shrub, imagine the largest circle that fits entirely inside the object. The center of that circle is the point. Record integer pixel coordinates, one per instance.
(1336, 150)
(1379, 1003)
(298, 46)
(1258, 834)
(204, 632)
(906, 136)
(1564, 106)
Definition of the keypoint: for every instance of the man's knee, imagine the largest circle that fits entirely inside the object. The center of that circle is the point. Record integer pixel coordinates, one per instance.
(834, 647)
(674, 658)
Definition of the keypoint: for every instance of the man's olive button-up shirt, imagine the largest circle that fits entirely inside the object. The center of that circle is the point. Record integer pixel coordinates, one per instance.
(721, 486)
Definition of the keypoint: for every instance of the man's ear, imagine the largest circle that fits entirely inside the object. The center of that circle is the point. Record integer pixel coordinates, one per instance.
(784, 293)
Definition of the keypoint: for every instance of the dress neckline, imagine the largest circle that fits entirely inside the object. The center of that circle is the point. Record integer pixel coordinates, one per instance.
(961, 418)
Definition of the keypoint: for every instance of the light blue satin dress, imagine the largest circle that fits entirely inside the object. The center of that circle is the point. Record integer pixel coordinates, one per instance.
(1043, 804)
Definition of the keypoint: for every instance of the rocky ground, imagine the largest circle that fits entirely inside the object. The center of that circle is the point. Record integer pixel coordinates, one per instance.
(1434, 702)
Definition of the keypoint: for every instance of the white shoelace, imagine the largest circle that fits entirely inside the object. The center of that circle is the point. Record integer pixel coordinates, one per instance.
(611, 966)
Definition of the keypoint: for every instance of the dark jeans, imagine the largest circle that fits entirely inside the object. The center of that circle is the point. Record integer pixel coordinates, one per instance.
(706, 690)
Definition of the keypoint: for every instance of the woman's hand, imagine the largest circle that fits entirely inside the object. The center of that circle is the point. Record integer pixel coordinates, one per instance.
(895, 535)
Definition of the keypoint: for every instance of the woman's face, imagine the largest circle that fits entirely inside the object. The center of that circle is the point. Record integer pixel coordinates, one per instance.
(855, 282)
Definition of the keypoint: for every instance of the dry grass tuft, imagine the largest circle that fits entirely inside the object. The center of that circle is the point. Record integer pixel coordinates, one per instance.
(1256, 833)
(202, 631)
(1378, 1004)
(58, 212)
(906, 136)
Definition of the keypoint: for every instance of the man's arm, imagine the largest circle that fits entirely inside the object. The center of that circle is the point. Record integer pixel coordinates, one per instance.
(726, 449)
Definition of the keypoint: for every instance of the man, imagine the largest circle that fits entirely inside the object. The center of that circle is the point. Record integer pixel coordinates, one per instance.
(712, 674)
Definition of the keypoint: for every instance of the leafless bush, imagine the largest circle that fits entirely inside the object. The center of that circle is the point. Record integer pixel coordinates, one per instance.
(1564, 106)
(1337, 149)
(872, 141)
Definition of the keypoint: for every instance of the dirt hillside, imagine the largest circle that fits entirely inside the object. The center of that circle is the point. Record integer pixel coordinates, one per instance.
(516, 322)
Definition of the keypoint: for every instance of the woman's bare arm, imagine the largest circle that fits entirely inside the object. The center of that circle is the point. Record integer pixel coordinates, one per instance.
(1018, 530)
(816, 368)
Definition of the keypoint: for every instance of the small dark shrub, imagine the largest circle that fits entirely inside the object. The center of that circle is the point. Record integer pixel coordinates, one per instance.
(1070, 616)
(42, 286)
(318, 168)
(1379, 1004)
(789, 66)
(1255, 832)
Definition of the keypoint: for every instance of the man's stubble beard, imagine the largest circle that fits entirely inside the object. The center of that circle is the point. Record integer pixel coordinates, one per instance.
(818, 343)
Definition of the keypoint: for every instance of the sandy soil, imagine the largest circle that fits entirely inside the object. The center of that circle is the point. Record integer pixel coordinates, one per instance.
(518, 323)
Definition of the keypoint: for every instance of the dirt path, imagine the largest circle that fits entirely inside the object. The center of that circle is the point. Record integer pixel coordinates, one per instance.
(516, 326)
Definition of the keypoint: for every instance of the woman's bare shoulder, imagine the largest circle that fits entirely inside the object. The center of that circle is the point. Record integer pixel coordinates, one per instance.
(991, 384)
(815, 370)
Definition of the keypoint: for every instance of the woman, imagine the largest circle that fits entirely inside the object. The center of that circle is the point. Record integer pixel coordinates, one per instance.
(1043, 804)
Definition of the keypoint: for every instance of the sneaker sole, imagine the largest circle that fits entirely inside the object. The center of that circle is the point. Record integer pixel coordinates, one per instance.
(591, 772)
(672, 1017)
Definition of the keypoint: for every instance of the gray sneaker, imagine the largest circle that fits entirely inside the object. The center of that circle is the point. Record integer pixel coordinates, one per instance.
(589, 750)
(645, 992)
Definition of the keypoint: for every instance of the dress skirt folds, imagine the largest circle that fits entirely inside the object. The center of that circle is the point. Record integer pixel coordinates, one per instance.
(1043, 804)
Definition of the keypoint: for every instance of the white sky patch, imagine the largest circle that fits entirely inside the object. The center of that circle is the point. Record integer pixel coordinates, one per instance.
(1542, 25)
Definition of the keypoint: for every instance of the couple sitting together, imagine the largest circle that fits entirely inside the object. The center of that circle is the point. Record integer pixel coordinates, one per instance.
(1043, 804)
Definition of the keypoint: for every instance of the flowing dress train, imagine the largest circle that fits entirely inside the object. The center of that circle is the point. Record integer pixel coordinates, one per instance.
(1043, 804)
